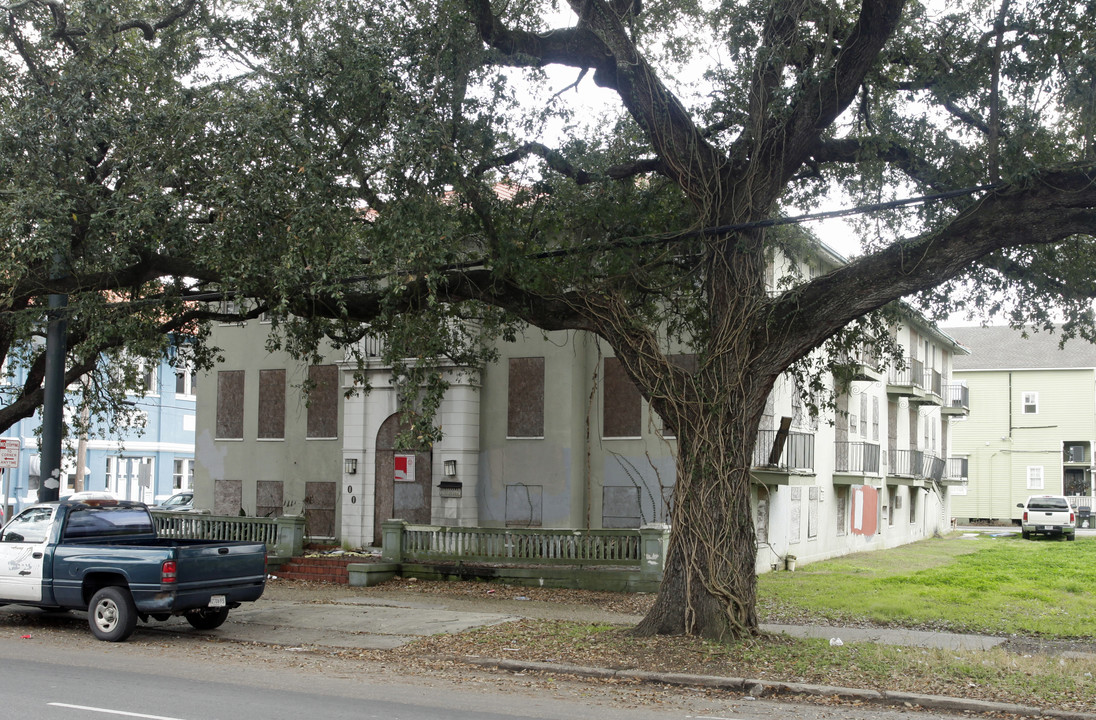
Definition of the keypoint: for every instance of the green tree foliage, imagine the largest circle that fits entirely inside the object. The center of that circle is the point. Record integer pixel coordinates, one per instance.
(494, 190)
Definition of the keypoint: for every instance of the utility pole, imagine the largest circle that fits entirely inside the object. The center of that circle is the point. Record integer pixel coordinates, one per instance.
(53, 393)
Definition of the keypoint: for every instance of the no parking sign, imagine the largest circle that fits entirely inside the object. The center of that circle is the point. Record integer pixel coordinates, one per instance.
(9, 452)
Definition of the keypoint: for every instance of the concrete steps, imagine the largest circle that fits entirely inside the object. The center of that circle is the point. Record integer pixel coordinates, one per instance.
(319, 564)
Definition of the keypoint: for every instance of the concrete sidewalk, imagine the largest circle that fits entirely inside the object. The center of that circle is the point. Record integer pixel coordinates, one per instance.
(386, 622)
(362, 623)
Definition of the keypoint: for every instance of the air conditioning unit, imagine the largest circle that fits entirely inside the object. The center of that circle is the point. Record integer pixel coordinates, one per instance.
(1075, 453)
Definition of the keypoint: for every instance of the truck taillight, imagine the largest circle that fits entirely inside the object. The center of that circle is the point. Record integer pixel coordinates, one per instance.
(1025, 516)
(1072, 517)
(167, 572)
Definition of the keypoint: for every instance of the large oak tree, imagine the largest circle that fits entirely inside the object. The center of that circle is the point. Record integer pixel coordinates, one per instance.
(413, 166)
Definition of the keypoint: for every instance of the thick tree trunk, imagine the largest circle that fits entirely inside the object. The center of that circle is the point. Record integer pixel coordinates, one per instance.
(709, 586)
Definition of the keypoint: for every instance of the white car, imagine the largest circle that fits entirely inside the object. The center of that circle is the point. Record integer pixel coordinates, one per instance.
(1048, 515)
(179, 502)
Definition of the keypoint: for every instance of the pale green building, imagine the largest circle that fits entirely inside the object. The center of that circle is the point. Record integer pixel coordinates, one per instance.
(1032, 421)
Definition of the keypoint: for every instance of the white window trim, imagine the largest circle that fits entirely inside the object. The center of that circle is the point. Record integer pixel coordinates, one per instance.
(1024, 403)
(1036, 478)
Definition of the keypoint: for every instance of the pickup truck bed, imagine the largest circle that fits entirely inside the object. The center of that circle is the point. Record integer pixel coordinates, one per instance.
(1048, 515)
(105, 557)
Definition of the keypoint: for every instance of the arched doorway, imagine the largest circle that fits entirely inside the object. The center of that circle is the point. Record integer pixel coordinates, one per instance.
(406, 498)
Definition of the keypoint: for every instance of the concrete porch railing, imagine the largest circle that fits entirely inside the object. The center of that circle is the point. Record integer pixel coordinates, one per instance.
(283, 536)
(591, 559)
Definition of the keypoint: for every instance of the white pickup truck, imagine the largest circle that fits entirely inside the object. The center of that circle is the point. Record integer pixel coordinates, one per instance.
(1048, 515)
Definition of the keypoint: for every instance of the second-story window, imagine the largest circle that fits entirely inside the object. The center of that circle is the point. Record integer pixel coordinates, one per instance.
(1031, 403)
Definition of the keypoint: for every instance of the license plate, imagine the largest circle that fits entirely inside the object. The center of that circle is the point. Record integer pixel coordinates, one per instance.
(1047, 527)
(217, 601)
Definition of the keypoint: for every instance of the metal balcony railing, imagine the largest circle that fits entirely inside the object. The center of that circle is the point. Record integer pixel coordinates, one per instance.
(907, 463)
(956, 468)
(912, 376)
(856, 457)
(798, 452)
(958, 396)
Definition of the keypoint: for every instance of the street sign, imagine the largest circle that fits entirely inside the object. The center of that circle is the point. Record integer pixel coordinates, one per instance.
(9, 452)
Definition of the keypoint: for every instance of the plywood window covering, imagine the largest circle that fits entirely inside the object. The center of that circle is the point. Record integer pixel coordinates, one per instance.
(323, 402)
(230, 405)
(623, 407)
(272, 404)
(795, 526)
(525, 398)
(812, 513)
(524, 505)
(268, 498)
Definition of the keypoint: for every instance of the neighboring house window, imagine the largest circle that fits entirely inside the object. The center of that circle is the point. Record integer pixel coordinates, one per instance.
(525, 398)
(272, 404)
(915, 495)
(1035, 477)
(148, 378)
(186, 380)
(230, 405)
(323, 402)
(875, 419)
(1031, 403)
(623, 406)
(182, 476)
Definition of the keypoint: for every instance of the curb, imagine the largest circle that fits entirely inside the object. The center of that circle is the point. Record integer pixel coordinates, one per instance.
(763, 688)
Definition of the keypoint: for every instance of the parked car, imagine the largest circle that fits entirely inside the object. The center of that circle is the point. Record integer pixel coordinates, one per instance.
(103, 556)
(1048, 515)
(179, 502)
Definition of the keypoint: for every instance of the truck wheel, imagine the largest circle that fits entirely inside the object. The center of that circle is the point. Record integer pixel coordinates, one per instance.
(1071, 536)
(207, 619)
(111, 614)
(1025, 534)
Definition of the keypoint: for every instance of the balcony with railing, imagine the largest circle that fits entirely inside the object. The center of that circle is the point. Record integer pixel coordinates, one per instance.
(794, 460)
(854, 462)
(920, 386)
(906, 380)
(913, 467)
(861, 364)
(955, 471)
(956, 399)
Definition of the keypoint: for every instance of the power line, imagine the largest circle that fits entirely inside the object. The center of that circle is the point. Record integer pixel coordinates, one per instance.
(623, 243)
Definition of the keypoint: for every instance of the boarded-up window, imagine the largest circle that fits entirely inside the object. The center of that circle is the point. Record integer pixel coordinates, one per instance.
(762, 520)
(841, 495)
(812, 513)
(268, 498)
(623, 405)
(323, 401)
(524, 505)
(620, 507)
(230, 404)
(227, 497)
(525, 398)
(319, 509)
(796, 524)
(272, 404)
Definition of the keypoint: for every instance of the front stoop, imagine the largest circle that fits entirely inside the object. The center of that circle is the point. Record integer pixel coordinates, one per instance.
(318, 569)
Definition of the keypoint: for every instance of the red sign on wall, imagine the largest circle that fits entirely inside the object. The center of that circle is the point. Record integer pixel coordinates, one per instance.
(864, 518)
(405, 468)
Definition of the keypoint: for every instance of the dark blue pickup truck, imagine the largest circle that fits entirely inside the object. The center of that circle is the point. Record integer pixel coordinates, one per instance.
(103, 556)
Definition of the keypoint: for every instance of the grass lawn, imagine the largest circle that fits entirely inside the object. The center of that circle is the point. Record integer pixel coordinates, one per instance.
(983, 584)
